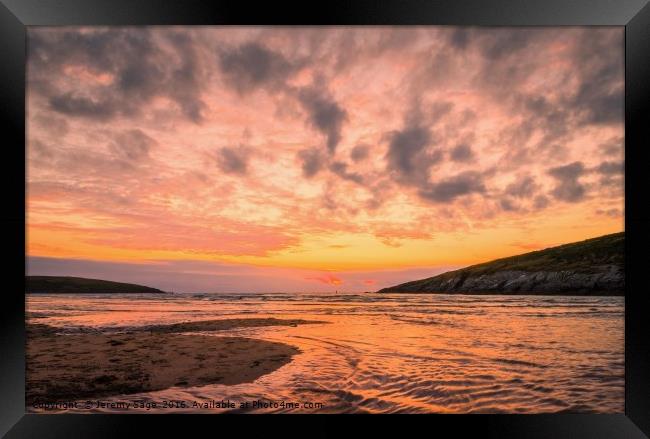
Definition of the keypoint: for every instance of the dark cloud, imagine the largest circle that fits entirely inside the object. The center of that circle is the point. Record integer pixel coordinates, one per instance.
(408, 155)
(508, 205)
(359, 153)
(548, 121)
(568, 188)
(324, 114)
(346, 49)
(610, 168)
(341, 169)
(312, 161)
(232, 160)
(449, 189)
(501, 49)
(131, 145)
(459, 37)
(461, 153)
(139, 66)
(612, 179)
(190, 74)
(551, 118)
(50, 49)
(82, 106)
(252, 65)
(599, 99)
(613, 146)
(497, 43)
(523, 188)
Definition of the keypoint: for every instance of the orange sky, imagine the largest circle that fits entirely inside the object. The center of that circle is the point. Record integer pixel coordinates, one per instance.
(324, 158)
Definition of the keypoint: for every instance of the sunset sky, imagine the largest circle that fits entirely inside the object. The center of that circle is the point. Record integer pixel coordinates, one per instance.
(241, 159)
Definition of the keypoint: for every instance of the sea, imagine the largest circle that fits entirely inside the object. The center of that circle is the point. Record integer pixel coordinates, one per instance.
(386, 353)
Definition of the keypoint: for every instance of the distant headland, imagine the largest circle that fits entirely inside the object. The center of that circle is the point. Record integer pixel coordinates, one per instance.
(80, 285)
(591, 267)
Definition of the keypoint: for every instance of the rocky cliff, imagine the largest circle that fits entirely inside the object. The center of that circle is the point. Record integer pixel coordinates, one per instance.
(591, 267)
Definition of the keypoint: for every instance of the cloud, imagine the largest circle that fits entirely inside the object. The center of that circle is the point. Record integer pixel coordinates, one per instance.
(461, 153)
(39, 152)
(568, 188)
(393, 236)
(105, 73)
(549, 117)
(613, 146)
(611, 168)
(341, 169)
(312, 161)
(328, 279)
(446, 190)
(411, 156)
(408, 155)
(582, 87)
(109, 164)
(223, 237)
(522, 188)
(131, 145)
(378, 125)
(233, 160)
(252, 66)
(612, 178)
(460, 37)
(359, 153)
(48, 122)
(612, 213)
(324, 114)
(73, 104)
(188, 78)
(540, 202)
(498, 43)
(508, 205)
(599, 98)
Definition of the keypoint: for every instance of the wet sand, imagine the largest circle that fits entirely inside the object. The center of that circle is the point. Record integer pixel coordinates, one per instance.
(384, 353)
(221, 325)
(91, 364)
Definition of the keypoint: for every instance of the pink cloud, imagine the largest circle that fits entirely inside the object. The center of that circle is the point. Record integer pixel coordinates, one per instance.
(327, 279)
(194, 140)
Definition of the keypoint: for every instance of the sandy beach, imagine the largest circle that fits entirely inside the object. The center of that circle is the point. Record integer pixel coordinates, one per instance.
(91, 364)
(377, 353)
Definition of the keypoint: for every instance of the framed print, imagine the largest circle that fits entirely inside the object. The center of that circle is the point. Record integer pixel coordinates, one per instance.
(370, 217)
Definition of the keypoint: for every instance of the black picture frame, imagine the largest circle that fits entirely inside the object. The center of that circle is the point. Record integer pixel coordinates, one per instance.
(16, 15)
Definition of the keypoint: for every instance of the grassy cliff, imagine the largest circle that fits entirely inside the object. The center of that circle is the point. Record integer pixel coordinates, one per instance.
(593, 266)
(76, 285)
